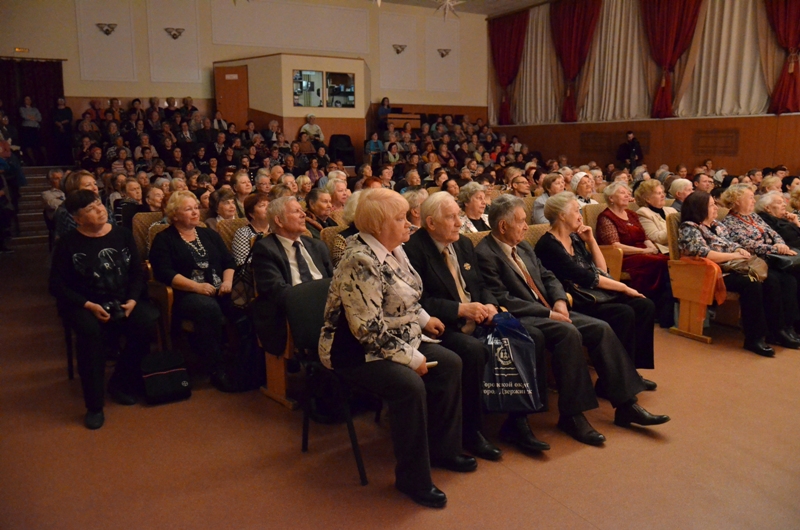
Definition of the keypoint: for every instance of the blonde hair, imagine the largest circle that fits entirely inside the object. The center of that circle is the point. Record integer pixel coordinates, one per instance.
(302, 180)
(349, 213)
(767, 182)
(645, 189)
(557, 204)
(176, 200)
(376, 206)
(794, 199)
(732, 195)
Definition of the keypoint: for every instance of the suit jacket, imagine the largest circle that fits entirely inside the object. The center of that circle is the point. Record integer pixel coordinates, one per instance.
(655, 227)
(440, 295)
(510, 287)
(273, 276)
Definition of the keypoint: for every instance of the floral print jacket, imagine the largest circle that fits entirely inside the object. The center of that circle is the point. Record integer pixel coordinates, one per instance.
(698, 239)
(753, 233)
(380, 299)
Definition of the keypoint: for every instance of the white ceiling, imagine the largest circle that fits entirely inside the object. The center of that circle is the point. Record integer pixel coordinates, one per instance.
(484, 7)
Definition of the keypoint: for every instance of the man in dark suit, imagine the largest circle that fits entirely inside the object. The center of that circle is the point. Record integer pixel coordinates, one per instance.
(454, 292)
(281, 260)
(534, 295)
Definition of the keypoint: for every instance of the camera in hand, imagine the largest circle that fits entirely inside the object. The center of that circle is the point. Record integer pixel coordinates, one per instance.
(114, 310)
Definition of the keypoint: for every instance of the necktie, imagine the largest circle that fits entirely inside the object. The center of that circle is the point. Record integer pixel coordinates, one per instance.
(528, 278)
(302, 265)
(469, 327)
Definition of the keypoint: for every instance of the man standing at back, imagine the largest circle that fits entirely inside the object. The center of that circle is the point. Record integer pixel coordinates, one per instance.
(281, 260)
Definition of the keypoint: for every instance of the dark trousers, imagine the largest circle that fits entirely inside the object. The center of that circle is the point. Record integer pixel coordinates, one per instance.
(612, 363)
(207, 313)
(474, 353)
(632, 321)
(425, 412)
(92, 335)
(766, 307)
(780, 293)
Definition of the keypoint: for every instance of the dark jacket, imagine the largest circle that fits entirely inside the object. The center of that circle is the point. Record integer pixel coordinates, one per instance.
(789, 231)
(273, 276)
(439, 294)
(170, 255)
(510, 287)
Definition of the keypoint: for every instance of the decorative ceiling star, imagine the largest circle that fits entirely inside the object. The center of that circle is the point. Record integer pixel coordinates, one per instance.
(448, 5)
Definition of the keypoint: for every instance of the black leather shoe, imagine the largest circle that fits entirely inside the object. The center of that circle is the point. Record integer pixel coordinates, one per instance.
(123, 398)
(759, 347)
(432, 497)
(648, 385)
(459, 464)
(635, 413)
(517, 431)
(792, 333)
(579, 428)
(94, 420)
(222, 381)
(787, 340)
(481, 448)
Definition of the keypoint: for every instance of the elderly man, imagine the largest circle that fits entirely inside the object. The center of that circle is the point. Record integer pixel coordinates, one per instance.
(52, 198)
(680, 189)
(534, 295)
(313, 130)
(263, 181)
(454, 291)
(520, 187)
(154, 201)
(129, 205)
(281, 260)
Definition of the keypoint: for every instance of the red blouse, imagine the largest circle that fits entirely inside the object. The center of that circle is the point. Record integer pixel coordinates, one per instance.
(613, 229)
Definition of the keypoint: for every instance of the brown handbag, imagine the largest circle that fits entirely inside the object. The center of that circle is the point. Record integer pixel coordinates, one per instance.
(753, 267)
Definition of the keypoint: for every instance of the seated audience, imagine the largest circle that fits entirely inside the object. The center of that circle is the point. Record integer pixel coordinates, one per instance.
(195, 262)
(53, 197)
(304, 185)
(337, 188)
(255, 208)
(318, 212)
(97, 280)
(339, 244)
(552, 184)
(679, 190)
(281, 260)
(472, 199)
(78, 180)
(415, 198)
(583, 188)
(387, 321)
(534, 295)
(772, 209)
(768, 309)
(570, 250)
(653, 213)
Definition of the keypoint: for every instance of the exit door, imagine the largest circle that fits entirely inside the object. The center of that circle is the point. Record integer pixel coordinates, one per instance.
(233, 98)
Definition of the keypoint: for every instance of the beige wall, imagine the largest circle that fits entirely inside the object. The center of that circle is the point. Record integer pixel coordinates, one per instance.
(49, 30)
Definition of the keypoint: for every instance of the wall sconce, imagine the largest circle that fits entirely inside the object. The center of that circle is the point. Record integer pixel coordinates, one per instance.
(107, 29)
(399, 48)
(174, 32)
(443, 52)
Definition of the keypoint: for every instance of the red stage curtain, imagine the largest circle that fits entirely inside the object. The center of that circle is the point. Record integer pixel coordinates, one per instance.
(670, 26)
(784, 17)
(572, 24)
(507, 37)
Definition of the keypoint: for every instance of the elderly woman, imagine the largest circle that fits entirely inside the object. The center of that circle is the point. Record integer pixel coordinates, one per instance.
(571, 252)
(772, 209)
(653, 213)
(304, 185)
(472, 200)
(196, 264)
(242, 187)
(415, 198)
(255, 208)
(552, 184)
(451, 186)
(769, 184)
(337, 188)
(642, 260)
(318, 212)
(373, 337)
(680, 189)
(97, 280)
(221, 205)
(339, 244)
(583, 187)
(766, 307)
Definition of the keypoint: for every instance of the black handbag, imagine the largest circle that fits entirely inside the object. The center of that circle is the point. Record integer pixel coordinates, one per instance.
(784, 263)
(165, 378)
(583, 297)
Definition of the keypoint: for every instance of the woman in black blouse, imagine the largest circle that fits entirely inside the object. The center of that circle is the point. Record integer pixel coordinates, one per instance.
(97, 281)
(196, 263)
(570, 250)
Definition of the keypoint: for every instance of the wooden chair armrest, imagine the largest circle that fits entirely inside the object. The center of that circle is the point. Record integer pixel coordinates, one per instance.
(613, 258)
(693, 282)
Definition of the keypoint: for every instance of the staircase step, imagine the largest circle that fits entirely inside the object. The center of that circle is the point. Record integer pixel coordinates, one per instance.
(29, 241)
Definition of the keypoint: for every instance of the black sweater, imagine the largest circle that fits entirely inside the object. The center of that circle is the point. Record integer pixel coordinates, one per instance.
(170, 255)
(96, 269)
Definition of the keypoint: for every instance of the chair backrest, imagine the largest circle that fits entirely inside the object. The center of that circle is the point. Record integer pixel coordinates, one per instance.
(535, 232)
(204, 213)
(141, 227)
(599, 197)
(673, 220)
(434, 189)
(153, 232)
(227, 229)
(538, 192)
(477, 237)
(328, 234)
(339, 141)
(590, 213)
(528, 206)
(492, 195)
(722, 212)
(305, 312)
(668, 202)
(338, 216)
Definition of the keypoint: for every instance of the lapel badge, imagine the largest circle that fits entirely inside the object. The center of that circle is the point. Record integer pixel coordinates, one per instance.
(467, 267)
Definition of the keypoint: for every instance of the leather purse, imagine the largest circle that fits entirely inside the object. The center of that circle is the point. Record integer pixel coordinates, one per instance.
(784, 263)
(753, 267)
(583, 297)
